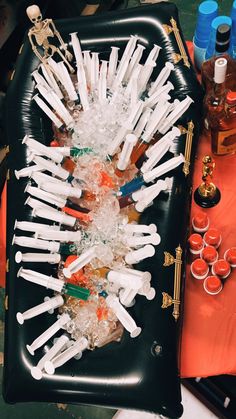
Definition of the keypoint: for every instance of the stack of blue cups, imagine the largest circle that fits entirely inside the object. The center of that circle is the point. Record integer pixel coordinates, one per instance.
(207, 11)
(233, 30)
(220, 20)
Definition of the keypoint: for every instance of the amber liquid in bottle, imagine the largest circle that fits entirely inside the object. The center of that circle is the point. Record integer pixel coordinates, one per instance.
(214, 104)
(223, 129)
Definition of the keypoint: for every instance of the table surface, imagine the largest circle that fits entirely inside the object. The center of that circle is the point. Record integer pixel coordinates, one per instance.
(209, 328)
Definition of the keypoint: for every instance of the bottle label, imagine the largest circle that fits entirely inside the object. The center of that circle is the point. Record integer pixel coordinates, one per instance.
(226, 141)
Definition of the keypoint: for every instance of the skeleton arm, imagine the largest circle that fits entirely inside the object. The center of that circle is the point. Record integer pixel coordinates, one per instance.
(34, 48)
(57, 34)
(55, 31)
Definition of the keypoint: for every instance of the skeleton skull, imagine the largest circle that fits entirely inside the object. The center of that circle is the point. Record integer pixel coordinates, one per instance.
(34, 14)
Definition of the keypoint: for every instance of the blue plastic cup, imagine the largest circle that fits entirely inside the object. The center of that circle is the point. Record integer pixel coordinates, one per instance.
(233, 29)
(207, 11)
(212, 40)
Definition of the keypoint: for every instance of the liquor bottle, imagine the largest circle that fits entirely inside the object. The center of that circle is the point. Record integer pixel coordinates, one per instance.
(221, 48)
(214, 100)
(223, 130)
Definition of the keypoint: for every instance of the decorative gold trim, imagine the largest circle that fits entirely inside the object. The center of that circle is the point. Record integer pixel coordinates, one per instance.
(8, 174)
(188, 145)
(167, 300)
(176, 56)
(169, 259)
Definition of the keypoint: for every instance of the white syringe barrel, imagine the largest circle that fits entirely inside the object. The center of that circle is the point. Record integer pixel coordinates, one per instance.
(156, 156)
(153, 55)
(46, 151)
(41, 279)
(140, 228)
(47, 111)
(113, 59)
(60, 343)
(142, 122)
(33, 243)
(58, 216)
(135, 241)
(27, 171)
(51, 167)
(127, 297)
(78, 347)
(67, 82)
(76, 48)
(47, 305)
(63, 236)
(163, 168)
(137, 255)
(161, 78)
(80, 262)
(37, 257)
(45, 196)
(125, 279)
(66, 189)
(45, 336)
(123, 316)
(177, 112)
(33, 227)
(127, 149)
(170, 135)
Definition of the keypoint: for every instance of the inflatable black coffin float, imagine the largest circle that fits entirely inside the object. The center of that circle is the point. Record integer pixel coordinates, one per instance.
(139, 373)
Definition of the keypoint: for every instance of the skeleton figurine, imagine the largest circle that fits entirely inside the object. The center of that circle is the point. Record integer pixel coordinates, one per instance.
(40, 32)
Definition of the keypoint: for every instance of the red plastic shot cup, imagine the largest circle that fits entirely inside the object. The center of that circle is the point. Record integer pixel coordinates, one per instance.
(212, 285)
(199, 269)
(221, 268)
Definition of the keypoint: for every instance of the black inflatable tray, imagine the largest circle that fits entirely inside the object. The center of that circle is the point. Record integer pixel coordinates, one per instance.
(139, 373)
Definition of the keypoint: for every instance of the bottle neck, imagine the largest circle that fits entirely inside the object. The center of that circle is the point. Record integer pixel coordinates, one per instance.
(219, 89)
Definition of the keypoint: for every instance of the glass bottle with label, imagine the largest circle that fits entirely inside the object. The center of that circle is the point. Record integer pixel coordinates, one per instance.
(221, 50)
(215, 98)
(223, 132)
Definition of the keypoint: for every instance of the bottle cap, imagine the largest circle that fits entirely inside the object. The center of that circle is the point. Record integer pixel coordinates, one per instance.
(212, 285)
(212, 45)
(212, 237)
(196, 243)
(199, 269)
(220, 70)
(200, 222)
(230, 256)
(223, 33)
(231, 98)
(209, 254)
(221, 268)
(223, 36)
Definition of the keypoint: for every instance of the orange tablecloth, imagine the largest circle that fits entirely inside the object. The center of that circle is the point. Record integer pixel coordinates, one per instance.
(209, 329)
